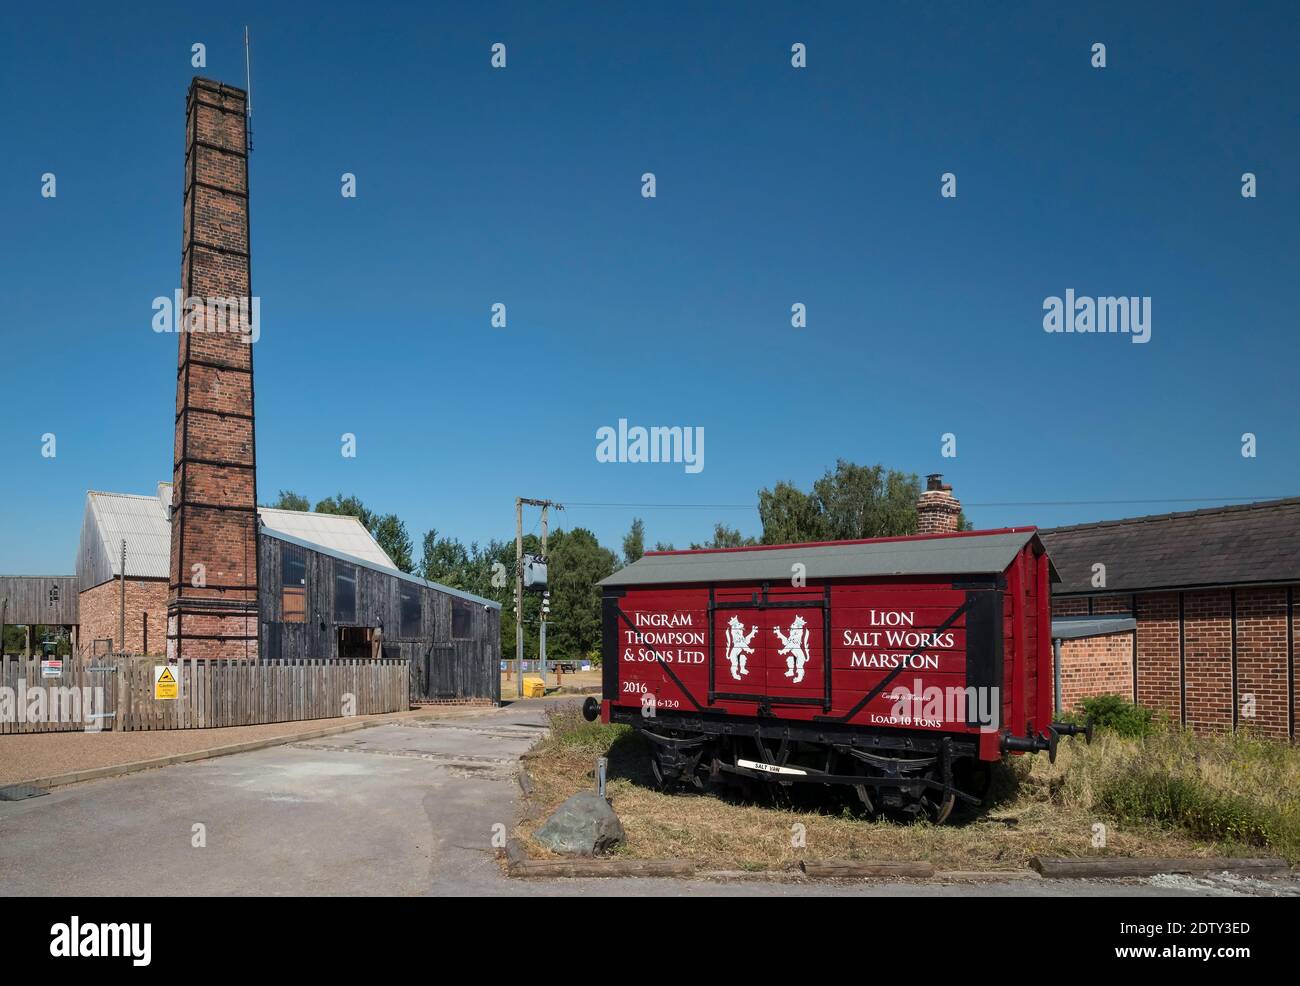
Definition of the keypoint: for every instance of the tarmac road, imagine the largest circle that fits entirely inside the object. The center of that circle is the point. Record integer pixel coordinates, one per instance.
(403, 809)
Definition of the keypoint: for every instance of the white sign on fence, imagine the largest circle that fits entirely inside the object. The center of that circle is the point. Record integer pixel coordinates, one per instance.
(52, 669)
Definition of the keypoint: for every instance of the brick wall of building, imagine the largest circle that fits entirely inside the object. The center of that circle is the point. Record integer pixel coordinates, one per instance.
(1070, 606)
(146, 616)
(1159, 680)
(1207, 655)
(1120, 603)
(1207, 635)
(1100, 665)
(1261, 661)
(1112, 605)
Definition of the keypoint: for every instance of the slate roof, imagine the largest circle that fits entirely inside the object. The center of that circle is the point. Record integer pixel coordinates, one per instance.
(1220, 546)
(963, 554)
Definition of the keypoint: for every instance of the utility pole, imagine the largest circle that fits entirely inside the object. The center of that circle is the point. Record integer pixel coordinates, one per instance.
(519, 595)
(121, 615)
(519, 583)
(541, 615)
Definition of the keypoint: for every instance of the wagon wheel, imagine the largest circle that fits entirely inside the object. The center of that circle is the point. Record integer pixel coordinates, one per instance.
(936, 807)
(663, 781)
(865, 797)
(931, 803)
(671, 768)
(974, 777)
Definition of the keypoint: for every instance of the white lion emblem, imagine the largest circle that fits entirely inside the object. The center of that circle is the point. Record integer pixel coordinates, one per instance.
(796, 647)
(738, 646)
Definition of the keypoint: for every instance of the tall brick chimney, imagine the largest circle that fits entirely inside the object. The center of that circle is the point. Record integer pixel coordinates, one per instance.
(937, 510)
(212, 611)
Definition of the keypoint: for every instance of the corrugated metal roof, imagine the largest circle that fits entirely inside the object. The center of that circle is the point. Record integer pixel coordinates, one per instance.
(965, 554)
(336, 532)
(144, 522)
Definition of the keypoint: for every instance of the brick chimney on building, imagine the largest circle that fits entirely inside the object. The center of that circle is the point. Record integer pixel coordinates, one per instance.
(212, 597)
(937, 510)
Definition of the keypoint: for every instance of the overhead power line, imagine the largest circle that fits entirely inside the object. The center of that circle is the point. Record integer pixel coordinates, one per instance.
(965, 503)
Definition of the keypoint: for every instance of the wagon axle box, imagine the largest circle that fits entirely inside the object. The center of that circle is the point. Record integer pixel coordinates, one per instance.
(898, 666)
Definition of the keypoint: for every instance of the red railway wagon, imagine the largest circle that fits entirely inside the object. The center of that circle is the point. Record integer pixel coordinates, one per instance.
(900, 667)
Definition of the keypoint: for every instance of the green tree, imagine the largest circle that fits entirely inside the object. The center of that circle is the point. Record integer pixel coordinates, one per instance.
(634, 542)
(575, 563)
(289, 500)
(789, 515)
(348, 506)
(15, 639)
(847, 503)
(866, 501)
(446, 560)
(390, 532)
(726, 537)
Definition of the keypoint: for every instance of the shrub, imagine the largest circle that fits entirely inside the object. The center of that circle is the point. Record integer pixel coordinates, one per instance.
(1190, 803)
(1119, 715)
(1236, 790)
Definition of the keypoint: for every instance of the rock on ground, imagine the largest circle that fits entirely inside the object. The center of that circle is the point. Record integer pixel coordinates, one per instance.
(585, 825)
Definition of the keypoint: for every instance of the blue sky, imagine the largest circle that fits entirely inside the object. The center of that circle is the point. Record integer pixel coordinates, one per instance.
(775, 186)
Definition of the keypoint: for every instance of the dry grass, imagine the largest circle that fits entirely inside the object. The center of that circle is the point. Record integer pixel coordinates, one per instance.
(1037, 809)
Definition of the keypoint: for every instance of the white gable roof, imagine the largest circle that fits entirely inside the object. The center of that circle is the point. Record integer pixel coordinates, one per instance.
(336, 532)
(144, 522)
(139, 520)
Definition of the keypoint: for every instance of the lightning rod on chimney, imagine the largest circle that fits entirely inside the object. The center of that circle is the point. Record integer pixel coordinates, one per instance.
(248, 91)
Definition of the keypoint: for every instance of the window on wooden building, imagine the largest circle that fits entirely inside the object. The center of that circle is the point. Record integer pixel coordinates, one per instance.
(293, 583)
(462, 619)
(410, 611)
(345, 592)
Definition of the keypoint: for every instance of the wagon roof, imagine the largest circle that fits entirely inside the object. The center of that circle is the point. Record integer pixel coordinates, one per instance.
(968, 553)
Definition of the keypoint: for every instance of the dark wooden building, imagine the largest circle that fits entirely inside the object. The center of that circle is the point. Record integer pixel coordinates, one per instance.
(39, 600)
(326, 590)
(320, 603)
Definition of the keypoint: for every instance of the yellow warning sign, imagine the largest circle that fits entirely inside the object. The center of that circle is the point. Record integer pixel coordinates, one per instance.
(164, 682)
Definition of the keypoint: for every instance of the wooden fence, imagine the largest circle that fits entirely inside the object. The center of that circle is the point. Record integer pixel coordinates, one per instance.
(83, 689)
(224, 693)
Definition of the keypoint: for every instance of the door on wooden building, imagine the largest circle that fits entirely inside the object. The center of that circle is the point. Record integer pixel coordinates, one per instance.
(356, 643)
